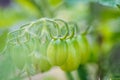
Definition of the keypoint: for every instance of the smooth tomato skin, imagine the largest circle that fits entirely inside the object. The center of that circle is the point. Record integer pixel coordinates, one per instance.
(82, 40)
(40, 63)
(73, 60)
(57, 52)
(39, 56)
(77, 47)
(44, 64)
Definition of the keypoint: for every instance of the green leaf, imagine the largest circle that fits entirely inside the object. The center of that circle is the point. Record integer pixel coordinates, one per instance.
(55, 2)
(103, 13)
(112, 3)
(17, 14)
(29, 6)
(82, 72)
(3, 36)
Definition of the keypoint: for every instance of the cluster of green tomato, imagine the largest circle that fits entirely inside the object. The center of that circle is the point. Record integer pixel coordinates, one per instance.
(68, 51)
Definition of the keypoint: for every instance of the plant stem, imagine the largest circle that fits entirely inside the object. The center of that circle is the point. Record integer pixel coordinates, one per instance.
(39, 8)
(69, 76)
(82, 73)
(44, 8)
(47, 7)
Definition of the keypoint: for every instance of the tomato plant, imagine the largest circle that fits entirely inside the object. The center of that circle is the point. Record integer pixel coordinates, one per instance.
(81, 38)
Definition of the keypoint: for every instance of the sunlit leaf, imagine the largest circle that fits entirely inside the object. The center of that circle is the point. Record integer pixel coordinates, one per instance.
(55, 2)
(3, 36)
(14, 16)
(112, 3)
(29, 6)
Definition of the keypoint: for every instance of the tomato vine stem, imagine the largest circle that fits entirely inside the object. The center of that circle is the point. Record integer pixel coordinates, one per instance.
(82, 72)
(69, 76)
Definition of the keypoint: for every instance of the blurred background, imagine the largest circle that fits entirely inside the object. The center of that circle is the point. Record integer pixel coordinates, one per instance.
(103, 17)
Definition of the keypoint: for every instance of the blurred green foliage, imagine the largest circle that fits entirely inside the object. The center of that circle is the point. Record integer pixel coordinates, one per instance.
(102, 15)
(3, 36)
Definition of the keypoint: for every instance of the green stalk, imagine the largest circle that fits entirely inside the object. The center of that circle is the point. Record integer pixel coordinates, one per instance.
(82, 73)
(69, 76)
(47, 8)
(44, 8)
(39, 8)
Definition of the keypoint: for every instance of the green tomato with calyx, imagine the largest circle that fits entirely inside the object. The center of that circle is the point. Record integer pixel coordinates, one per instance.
(20, 55)
(78, 49)
(74, 55)
(84, 47)
(40, 63)
(57, 52)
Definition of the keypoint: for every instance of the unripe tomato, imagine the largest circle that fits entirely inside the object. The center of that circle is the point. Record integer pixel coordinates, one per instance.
(21, 47)
(57, 52)
(77, 47)
(82, 40)
(73, 60)
(20, 55)
(40, 63)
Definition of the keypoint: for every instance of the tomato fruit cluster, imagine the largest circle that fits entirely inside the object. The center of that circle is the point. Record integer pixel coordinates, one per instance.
(20, 53)
(67, 52)
(57, 52)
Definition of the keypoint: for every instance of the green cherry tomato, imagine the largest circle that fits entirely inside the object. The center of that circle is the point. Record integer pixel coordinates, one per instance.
(40, 63)
(57, 52)
(20, 55)
(78, 49)
(39, 58)
(73, 59)
(84, 48)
